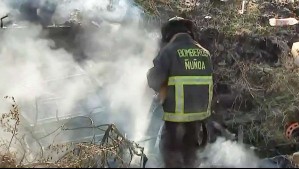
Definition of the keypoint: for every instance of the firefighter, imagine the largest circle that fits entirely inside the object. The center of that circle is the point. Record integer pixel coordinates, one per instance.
(182, 74)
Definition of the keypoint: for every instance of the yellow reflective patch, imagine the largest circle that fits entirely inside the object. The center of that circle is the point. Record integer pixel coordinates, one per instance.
(179, 99)
(179, 82)
(190, 80)
(175, 117)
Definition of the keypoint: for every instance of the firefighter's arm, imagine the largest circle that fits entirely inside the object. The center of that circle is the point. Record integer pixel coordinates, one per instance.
(158, 74)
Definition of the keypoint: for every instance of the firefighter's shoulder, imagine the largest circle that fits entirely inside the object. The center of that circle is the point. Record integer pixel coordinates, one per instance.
(203, 49)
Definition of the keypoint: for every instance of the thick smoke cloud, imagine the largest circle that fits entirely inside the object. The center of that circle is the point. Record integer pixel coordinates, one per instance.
(113, 74)
(119, 54)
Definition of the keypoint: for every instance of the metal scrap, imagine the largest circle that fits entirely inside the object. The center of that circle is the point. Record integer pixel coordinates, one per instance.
(108, 150)
(1, 20)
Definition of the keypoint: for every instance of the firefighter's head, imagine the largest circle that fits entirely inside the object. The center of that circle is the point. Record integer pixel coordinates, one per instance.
(176, 25)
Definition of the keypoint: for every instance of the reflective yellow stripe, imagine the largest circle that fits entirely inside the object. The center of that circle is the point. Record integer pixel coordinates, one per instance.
(174, 117)
(210, 96)
(189, 80)
(179, 82)
(179, 98)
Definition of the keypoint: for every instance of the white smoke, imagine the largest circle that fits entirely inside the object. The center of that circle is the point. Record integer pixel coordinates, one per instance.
(222, 154)
(3, 9)
(118, 59)
(94, 9)
(226, 153)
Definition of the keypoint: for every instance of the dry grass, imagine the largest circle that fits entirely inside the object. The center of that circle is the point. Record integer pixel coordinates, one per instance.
(113, 150)
(275, 92)
(225, 18)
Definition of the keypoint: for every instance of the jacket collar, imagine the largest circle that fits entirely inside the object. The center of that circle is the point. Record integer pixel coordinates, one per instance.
(181, 37)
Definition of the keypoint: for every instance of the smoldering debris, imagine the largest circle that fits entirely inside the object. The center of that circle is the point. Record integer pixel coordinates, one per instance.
(106, 147)
(226, 153)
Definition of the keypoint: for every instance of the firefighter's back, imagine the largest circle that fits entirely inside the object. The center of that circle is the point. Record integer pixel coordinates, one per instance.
(189, 90)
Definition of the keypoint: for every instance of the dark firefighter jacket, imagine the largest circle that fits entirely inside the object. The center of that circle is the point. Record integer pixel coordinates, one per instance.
(185, 67)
